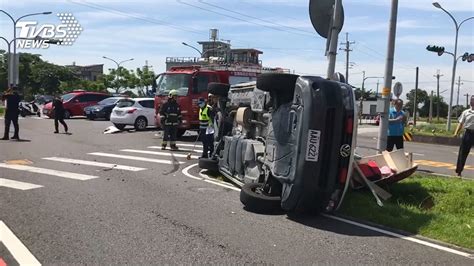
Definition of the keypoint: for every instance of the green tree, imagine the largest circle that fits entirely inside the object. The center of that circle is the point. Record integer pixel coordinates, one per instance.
(443, 107)
(146, 77)
(421, 97)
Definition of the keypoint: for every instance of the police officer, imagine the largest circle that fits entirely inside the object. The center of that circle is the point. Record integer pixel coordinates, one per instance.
(170, 119)
(13, 99)
(466, 120)
(206, 129)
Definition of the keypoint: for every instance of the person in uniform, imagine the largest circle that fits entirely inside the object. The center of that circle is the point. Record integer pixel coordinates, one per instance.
(206, 129)
(59, 111)
(13, 99)
(170, 114)
(466, 120)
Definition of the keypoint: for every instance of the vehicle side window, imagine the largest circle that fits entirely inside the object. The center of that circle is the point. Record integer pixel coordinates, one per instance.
(98, 97)
(82, 98)
(147, 103)
(200, 83)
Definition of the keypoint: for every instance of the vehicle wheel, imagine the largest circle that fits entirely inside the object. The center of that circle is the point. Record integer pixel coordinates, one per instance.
(38, 114)
(141, 123)
(23, 113)
(90, 117)
(277, 82)
(254, 198)
(219, 89)
(208, 164)
(119, 126)
(67, 114)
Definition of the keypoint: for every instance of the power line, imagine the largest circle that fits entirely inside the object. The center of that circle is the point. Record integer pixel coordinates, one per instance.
(310, 33)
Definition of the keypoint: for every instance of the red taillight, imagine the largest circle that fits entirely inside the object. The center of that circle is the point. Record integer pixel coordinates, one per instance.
(349, 125)
(343, 175)
(131, 111)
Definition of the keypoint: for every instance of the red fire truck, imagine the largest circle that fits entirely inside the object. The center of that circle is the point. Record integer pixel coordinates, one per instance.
(191, 84)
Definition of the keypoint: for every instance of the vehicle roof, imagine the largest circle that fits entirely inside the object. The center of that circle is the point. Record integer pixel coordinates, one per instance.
(139, 99)
(84, 92)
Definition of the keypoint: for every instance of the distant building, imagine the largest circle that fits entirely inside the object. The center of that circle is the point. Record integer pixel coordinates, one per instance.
(89, 72)
(215, 51)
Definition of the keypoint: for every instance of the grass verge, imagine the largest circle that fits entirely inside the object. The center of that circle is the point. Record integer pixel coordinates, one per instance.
(438, 208)
(2, 110)
(433, 130)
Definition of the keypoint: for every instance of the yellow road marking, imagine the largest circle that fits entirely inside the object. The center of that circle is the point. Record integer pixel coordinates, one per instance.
(19, 162)
(442, 164)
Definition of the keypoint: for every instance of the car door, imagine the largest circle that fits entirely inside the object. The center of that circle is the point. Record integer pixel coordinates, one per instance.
(148, 110)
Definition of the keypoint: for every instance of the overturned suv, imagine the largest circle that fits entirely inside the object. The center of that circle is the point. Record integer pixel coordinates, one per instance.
(287, 140)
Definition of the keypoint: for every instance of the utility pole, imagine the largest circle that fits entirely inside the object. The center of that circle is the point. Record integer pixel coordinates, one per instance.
(437, 93)
(387, 87)
(459, 87)
(467, 100)
(334, 31)
(347, 50)
(415, 105)
(431, 107)
(377, 94)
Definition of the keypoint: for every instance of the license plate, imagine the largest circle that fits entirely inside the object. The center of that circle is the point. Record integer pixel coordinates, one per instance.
(312, 146)
(118, 112)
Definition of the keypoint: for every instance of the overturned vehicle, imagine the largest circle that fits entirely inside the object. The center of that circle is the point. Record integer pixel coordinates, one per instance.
(286, 140)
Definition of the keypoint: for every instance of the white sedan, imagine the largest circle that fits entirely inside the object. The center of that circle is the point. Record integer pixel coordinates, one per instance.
(137, 112)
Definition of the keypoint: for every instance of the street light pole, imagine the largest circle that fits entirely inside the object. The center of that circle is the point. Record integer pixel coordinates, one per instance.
(14, 65)
(190, 46)
(453, 77)
(118, 68)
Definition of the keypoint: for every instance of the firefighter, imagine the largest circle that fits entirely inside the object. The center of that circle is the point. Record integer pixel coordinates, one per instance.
(206, 129)
(170, 114)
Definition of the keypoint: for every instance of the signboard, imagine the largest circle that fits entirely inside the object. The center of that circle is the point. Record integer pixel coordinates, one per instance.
(321, 13)
(397, 89)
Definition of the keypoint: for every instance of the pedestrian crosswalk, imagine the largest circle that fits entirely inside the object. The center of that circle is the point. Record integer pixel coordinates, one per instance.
(97, 159)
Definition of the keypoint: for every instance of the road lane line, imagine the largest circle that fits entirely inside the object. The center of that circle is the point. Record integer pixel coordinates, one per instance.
(178, 155)
(411, 239)
(189, 145)
(21, 253)
(207, 179)
(184, 150)
(92, 163)
(135, 158)
(17, 184)
(185, 171)
(45, 171)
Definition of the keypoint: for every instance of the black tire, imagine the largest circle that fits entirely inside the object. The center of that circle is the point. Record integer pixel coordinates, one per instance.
(277, 82)
(141, 123)
(90, 117)
(119, 126)
(67, 114)
(208, 164)
(23, 113)
(254, 200)
(219, 89)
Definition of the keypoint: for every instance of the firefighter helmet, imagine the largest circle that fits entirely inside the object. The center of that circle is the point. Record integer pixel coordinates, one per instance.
(173, 93)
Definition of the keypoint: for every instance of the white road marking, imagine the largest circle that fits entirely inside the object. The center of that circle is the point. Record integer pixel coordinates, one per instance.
(21, 253)
(418, 154)
(17, 184)
(411, 239)
(189, 145)
(45, 171)
(135, 158)
(207, 179)
(159, 147)
(185, 171)
(99, 164)
(178, 155)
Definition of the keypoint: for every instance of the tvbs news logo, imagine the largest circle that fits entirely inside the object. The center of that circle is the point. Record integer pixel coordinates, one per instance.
(35, 36)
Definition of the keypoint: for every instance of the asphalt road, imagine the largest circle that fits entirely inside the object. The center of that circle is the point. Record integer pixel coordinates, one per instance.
(157, 215)
(431, 158)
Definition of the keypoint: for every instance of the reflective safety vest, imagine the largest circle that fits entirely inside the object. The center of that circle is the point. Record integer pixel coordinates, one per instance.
(204, 118)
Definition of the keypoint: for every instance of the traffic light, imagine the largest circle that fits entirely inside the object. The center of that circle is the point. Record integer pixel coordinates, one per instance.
(437, 49)
(468, 57)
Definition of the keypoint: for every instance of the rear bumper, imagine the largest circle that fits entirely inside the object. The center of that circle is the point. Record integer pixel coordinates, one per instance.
(125, 120)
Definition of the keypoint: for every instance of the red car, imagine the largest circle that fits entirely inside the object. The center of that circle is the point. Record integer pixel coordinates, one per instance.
(75, 102)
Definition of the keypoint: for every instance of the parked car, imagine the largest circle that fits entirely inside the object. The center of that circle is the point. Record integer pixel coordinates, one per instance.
(102, 109)
(43, 99)
(75, 102)
(138, 112)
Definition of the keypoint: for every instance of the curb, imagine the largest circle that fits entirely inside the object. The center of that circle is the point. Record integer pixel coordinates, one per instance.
(448, 141)
(404, 233)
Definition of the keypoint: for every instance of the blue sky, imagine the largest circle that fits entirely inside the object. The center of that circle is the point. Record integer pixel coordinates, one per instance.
(153, 30)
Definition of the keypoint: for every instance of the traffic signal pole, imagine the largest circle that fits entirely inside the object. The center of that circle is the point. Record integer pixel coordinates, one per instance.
(387, 89)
